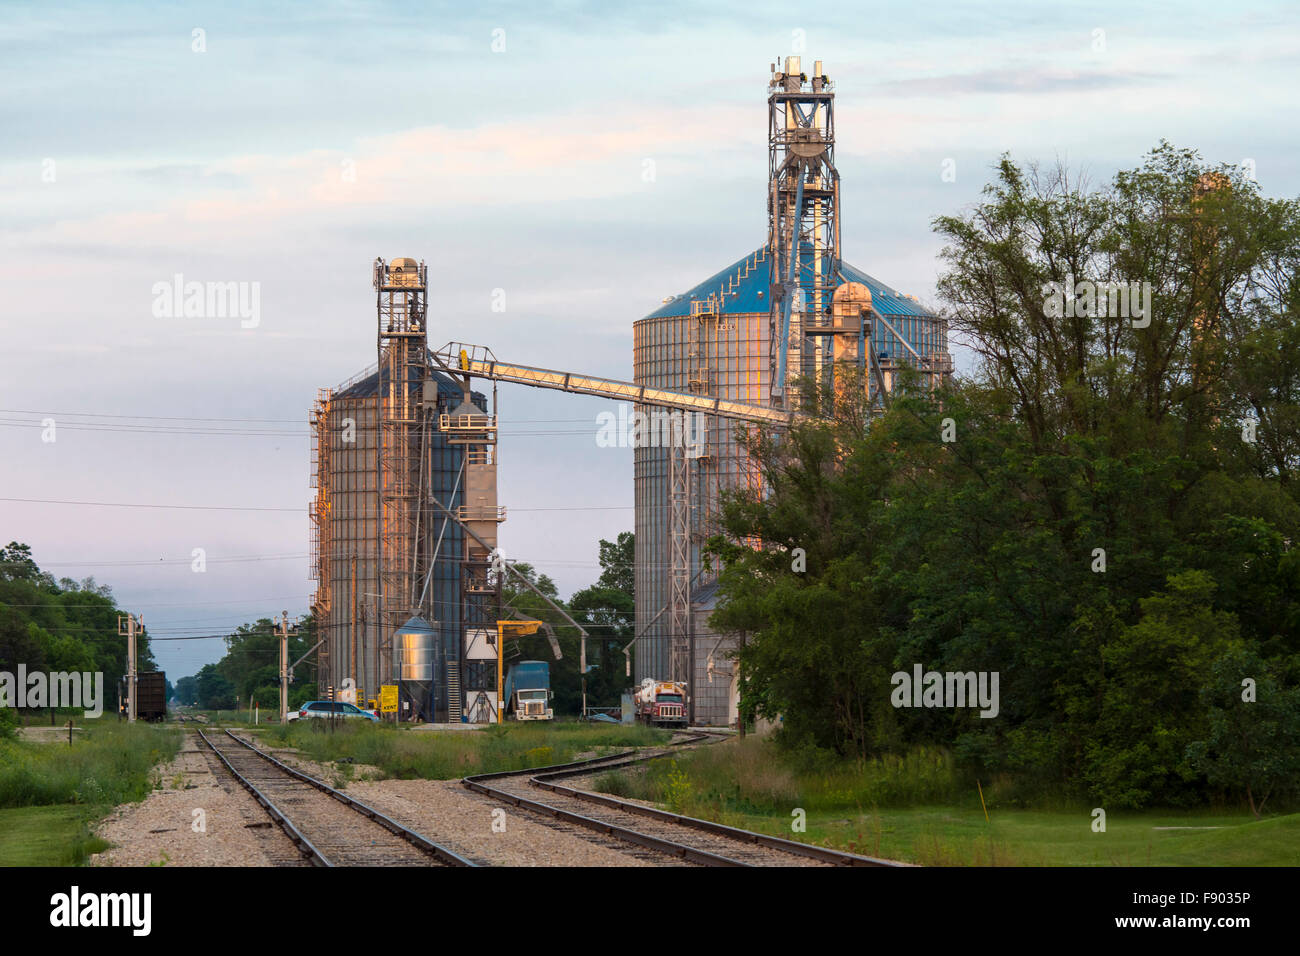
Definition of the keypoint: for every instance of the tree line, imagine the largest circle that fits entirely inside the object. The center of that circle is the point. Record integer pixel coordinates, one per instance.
(61, 625)
(1105, 511)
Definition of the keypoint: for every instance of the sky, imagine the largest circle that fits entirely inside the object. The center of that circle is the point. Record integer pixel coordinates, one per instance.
(576, 162)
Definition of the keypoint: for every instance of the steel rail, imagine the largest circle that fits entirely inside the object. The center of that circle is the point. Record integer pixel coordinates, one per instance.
(305, 846)
(541, 777)
(823, 854)
(626, 834)
(439, 852)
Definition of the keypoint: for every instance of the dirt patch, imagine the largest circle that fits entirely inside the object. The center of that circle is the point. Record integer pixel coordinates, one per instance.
(49, 735)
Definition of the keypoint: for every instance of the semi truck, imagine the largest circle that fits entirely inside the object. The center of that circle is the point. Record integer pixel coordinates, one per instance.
(528, 691)
(660, 702)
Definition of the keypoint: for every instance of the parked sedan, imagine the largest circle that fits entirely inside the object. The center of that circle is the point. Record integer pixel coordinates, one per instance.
(333, 708)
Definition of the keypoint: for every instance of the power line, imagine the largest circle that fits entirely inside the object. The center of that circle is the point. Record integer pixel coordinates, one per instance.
(129, 429)
(161, 418)
(170, 562)
(302, 509)
(132, 504)
(269, 600)
(269, 421)
(155, 430)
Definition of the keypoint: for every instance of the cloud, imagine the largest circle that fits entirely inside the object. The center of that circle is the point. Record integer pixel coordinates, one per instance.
(1032, 80)
(188, 175)
(416, 173)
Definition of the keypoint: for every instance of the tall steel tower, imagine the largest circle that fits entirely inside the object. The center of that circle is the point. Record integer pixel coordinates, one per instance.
(803, 207)
(401, 296)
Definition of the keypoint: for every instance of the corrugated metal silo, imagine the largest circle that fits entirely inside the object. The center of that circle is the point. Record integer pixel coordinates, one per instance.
(346, 437)
(714, 339)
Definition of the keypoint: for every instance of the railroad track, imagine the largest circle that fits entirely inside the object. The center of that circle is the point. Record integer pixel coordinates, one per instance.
(635, 825)
(326, 825)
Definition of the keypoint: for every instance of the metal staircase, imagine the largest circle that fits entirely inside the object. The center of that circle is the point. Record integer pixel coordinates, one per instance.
(453, 692)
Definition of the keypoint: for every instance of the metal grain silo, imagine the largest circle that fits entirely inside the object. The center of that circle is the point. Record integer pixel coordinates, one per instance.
(417, 654)
(345, 439)
(714, 339)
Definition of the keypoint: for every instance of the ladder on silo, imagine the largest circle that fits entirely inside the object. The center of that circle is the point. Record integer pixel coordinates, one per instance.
(453, 692)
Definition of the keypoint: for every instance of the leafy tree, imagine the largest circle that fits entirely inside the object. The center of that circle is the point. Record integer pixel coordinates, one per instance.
(18, 645)
(67, 654)
(215, 692)
(252, 658)
(1099, 532)
(187, 691)
(17, 564)
(300, 692)
(1252, 745)
(73, 624)
(1150, 688)
(607, 610)
(617, 563)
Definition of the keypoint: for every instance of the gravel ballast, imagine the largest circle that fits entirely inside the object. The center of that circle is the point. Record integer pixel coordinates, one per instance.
(442, 810)
(160, 830)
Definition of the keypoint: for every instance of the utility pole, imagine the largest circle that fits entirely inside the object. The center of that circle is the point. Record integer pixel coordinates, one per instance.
(129, 633)
(284, 668)
(365, 620)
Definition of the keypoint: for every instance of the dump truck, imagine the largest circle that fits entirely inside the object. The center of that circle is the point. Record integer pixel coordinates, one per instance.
(528, 691)
(660, 703)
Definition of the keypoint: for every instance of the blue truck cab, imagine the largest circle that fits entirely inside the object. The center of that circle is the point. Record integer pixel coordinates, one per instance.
(528, 691)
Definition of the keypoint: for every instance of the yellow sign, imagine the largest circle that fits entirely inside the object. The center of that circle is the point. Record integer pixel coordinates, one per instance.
(388, 699)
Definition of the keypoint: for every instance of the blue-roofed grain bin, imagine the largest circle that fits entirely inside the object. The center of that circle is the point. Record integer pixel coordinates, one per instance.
(790, 309)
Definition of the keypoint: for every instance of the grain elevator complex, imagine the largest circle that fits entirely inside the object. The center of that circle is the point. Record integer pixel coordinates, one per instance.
(406, 517)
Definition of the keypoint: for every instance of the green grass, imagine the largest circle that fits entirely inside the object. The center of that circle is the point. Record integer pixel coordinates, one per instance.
(51, 794)
(47, 836)
(752, 775)
(109, 763)
(918, 809)
(945, 836)
(446, 755)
